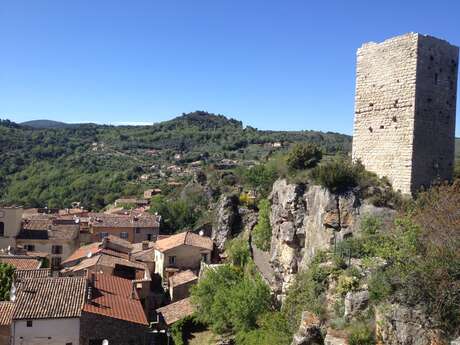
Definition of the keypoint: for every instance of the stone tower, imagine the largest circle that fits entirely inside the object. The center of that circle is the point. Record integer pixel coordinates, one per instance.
(404, 128)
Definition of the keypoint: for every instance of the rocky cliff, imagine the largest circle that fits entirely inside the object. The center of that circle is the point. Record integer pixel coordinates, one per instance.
(308, 218)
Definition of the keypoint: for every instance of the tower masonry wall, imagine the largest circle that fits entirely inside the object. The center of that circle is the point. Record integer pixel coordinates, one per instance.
(402, 86)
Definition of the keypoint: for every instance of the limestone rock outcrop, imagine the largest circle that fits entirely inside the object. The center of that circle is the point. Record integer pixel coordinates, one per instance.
(309, 332)
(308, 218)
(397, 324)
(228, 221)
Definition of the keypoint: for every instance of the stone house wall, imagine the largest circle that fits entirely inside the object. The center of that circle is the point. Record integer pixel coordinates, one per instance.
(95, 327)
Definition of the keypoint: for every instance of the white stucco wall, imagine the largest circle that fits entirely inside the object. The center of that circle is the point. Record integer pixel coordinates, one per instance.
(47, 331)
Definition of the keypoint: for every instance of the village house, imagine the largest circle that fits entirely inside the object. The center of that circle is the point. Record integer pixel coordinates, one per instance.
(151, 192)
(170, 314)
(48, 311)
(133, 227)
(21, 262)
(111, 256)
(57, 237)
(75, 310)
(181, 252)
(180, 284)
(10, 225)
(113, 312)
(131, 201)
(6, 314)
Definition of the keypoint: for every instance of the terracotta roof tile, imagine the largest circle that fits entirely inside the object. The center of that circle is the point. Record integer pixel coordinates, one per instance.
(182, 278)
(112, 297)
(125, 221)
(176, 311)
(83, 252)
(45, 298)
(184, 238)
(28, 274)
(21, 262)
(6, 313)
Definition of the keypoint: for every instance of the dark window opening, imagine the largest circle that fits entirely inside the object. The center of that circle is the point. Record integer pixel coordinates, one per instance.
(382, 126)
(436, 77)
(370, 129)
(2, 229)
(394, 119)
(29, 323)
(55, 263)
(56, 249)
(172, 260)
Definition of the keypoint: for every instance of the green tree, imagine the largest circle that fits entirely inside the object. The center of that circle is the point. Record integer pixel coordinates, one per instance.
(262, 231)
(6, 279)
(304, 156)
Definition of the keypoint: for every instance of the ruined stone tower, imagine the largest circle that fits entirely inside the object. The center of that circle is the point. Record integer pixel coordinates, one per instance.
(404, 127)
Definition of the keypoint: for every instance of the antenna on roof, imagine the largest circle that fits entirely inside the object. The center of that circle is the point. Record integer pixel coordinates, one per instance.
(201, 233)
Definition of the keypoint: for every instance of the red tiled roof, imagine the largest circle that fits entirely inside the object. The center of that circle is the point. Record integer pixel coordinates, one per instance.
(6, 313)
(83, 251)
(182, 278)
(124, 221)
(45, 298)
(176, 311)
(27, 274)
(184, 238)
(112, 297)
(21, 262)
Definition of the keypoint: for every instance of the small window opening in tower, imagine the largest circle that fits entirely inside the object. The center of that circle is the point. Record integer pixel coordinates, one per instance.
(370, 129)
(382, 126)
(431, 58)
(394, 118)
(371, 104)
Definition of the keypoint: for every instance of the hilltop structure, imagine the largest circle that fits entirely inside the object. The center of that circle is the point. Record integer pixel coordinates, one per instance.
(404, 128)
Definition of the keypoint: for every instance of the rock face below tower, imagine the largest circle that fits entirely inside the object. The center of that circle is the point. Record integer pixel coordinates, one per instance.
(404, 126)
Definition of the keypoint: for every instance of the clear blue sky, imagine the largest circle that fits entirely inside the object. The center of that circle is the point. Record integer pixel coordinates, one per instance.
(272, 64)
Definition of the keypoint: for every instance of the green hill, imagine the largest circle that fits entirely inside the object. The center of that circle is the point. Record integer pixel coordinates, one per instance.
(95, 164)
(48, 124)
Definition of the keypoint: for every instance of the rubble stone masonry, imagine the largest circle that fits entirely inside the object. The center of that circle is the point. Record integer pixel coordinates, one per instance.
(405, 102)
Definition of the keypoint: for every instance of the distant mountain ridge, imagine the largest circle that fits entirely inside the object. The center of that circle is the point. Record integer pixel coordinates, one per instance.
(48, 124)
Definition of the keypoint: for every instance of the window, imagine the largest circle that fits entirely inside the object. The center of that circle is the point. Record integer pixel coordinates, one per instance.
(29, 323)
(68, 343)
(2, 229)
(204, 257)
(55, 263)
(172, 260)
(149, 237)
(138, 231)
(29, 247)
(56, 249)
(103, 235)
(124, 235)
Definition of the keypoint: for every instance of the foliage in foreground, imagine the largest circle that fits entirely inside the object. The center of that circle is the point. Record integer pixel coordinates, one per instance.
(6, 279)
(262, 232)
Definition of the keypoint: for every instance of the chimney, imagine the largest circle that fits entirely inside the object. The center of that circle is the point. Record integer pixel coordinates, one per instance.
(133, 290)
(145, 245)
(93, 278)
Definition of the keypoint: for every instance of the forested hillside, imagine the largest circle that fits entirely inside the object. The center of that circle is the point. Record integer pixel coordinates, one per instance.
(95, 164)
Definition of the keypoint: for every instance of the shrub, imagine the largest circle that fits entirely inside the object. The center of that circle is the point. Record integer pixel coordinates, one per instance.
(6, 279)
(304, 156)
(238, 252)
(361, 334)
(229, 300)
(262, 233)
(337, 176)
